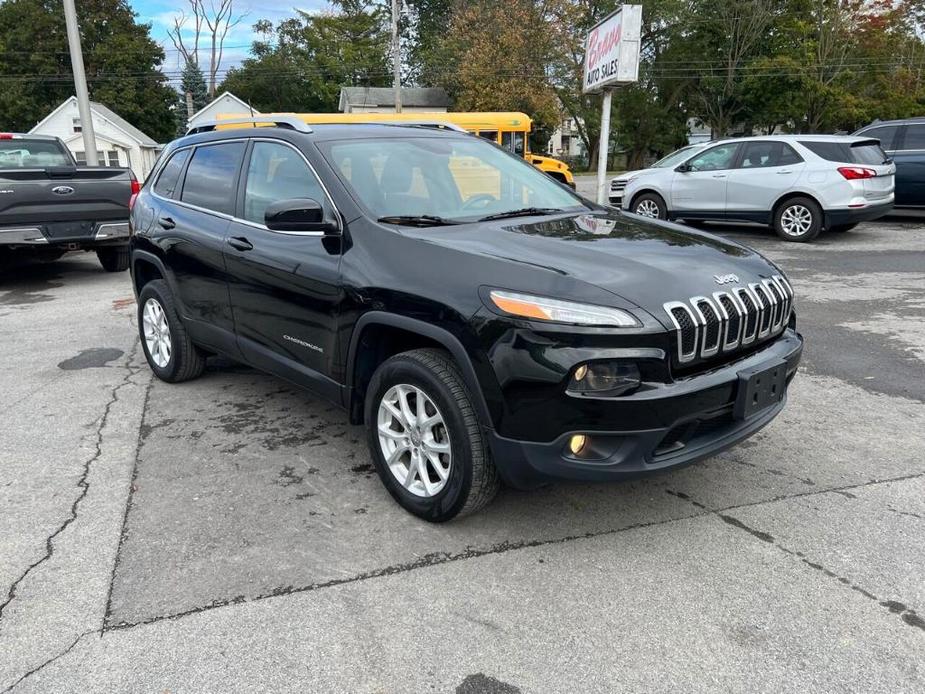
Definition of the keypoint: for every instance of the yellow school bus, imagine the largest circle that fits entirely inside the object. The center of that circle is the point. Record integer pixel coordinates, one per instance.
(510, 129)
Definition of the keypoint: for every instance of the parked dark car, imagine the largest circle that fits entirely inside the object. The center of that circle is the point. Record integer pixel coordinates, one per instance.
(904, 142)
(49, 205)
(485, 322)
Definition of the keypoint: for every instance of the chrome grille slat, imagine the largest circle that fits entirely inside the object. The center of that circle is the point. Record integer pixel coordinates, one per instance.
(730, 319)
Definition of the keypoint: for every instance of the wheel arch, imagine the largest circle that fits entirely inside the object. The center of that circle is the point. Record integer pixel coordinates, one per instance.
(379, 335)
(789, 195)
(650, 190)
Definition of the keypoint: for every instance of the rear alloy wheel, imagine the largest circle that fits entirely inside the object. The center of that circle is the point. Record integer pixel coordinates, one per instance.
(113, 258)
(425, 438)
(798, 219)
(650, 205)
(168, 348)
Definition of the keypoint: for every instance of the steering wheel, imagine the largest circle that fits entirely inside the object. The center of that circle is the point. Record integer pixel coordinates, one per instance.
(480, 201)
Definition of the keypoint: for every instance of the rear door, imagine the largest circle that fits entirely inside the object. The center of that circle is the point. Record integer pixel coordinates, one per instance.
(765, 169)
(191, 226)
(702, 190)
(285, 286)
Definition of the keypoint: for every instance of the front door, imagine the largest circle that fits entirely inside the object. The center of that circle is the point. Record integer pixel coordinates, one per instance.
(700, 191)
(910, 166)
(285, 286)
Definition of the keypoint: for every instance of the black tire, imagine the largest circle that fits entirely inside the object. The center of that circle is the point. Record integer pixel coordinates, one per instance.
(113, 258)
(649, 202)
(798, 208)
(185, 361)
(843, 227)
(472, 479)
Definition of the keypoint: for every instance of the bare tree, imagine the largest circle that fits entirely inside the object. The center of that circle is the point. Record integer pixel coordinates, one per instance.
(211, 22)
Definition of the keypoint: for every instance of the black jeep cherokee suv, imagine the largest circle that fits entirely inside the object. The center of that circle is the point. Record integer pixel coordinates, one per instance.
(484, 321)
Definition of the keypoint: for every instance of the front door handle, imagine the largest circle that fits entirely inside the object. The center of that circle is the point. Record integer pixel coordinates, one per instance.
(719, 175)
(780, 173)
(166, 222)
(239, 243)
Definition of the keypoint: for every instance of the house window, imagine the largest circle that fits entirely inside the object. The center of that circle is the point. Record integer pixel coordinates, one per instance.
(107, 158)
(76, 125)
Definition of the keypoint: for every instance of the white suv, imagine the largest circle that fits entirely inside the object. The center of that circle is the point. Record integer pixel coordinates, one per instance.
(799, 184)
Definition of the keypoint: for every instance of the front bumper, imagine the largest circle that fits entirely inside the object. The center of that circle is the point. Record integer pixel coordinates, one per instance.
(679, 424)
(78, 234)
(854, 215)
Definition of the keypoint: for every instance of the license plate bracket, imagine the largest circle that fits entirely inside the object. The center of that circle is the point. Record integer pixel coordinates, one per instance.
(760, 387)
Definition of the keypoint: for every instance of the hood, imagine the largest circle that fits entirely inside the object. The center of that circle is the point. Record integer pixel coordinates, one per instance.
(626, 175)
(645, 262)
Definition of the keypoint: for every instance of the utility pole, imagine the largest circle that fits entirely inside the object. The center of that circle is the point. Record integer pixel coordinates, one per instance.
(80, 83)
(396, 56)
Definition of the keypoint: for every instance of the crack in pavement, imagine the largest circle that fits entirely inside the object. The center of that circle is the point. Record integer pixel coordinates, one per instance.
(427, 560)
(82, 483)
(439, 558)
(907, 614)
(50, 660)
(123, 531)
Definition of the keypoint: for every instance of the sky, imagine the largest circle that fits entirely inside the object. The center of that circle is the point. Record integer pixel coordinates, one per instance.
(160, 13)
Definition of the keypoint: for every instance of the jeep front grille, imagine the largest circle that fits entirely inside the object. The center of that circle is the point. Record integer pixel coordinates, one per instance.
(708, 325)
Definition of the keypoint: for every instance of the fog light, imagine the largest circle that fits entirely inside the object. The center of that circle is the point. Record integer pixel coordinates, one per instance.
(577, 443)
(609, 378)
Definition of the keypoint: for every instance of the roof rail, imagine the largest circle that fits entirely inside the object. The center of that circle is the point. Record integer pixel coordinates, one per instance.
(439, 125)
(290, 122)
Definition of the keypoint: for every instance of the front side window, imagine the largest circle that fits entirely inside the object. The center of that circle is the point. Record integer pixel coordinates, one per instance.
(767, 154)
(210, 177)
(277, 172)
(169, 177)
(714, 159)
(459, 179)
(514, 142)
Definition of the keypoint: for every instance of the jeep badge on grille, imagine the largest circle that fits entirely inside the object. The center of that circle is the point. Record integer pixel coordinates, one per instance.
(725, 279)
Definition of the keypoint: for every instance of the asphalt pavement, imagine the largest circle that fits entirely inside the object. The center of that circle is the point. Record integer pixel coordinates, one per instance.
(229, 534)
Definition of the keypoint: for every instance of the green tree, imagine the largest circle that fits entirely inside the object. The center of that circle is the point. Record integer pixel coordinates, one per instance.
(301, 63)
(121, 60)
(192, 82)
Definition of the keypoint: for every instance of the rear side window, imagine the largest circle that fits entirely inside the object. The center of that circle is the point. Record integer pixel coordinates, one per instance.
(170, 175)
(885, 133)
(211, 174)
(915, 136)
(863, 152)
(277, 172)
(767, 154)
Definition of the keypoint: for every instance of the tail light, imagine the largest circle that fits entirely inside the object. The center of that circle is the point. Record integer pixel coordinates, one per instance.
(136, 189)
(853, 173)
(6, 136)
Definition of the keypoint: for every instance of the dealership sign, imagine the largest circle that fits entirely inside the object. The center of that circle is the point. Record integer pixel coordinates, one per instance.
(612, 49)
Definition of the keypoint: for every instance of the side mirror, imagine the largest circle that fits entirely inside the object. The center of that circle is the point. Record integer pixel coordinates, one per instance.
(684, 168)
(298, 214)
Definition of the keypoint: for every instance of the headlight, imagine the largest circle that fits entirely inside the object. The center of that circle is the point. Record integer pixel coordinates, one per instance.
(554, 310)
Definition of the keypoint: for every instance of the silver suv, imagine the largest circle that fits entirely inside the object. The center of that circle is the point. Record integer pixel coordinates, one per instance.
(798, 184)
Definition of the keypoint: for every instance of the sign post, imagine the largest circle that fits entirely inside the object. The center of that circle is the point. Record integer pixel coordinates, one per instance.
(611, 58)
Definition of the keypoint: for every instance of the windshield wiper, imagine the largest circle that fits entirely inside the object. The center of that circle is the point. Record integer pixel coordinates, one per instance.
(522, 212)
(420, 220)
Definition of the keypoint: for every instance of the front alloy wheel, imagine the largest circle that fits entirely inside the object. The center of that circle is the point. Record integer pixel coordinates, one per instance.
(414, 440)
(650, 205)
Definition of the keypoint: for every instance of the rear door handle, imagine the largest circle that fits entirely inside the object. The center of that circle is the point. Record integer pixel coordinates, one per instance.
(780, 173)
(166, 222)
(239, 243)
(719, 175)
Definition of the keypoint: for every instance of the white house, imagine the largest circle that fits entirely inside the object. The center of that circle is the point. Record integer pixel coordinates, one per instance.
(118, 142)
(382, 100)
(226, 102)
(565, 140)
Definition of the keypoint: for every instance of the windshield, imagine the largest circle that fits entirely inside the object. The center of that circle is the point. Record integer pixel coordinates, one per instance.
(675, 157)
(453, 179)
(25, 154)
